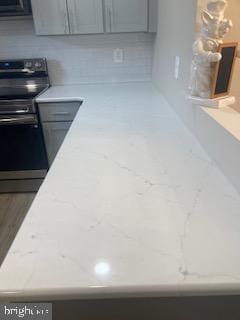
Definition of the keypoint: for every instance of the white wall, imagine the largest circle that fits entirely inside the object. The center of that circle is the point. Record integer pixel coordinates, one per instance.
(176, 33)
(80, 59)
(175, 36)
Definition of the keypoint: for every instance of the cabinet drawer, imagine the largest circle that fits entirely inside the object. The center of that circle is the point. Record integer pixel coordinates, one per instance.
(54, 112)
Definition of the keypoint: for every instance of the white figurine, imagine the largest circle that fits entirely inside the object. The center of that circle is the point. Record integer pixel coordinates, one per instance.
(213, 30)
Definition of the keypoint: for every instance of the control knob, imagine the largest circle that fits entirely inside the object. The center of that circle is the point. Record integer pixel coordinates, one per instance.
(28, 64)
(38, 64)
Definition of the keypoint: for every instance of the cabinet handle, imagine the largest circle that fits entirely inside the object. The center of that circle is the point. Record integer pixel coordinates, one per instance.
(66, 23)
(63, 113)
(59, 129)
(110, 19)
(66, 18)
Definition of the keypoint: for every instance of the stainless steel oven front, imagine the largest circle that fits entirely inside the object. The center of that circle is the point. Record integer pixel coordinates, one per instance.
(15, 7)
(23, 157)
(23, 160)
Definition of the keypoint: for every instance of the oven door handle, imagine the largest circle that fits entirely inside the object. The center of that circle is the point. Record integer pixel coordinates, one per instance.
(17, 111)
(21, 120)
(17, 70)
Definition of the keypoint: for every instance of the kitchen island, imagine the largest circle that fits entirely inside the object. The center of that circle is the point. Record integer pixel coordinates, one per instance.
(131, 207)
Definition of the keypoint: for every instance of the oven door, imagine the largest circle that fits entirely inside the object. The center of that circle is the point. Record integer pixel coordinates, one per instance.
(15, 7)
(22, 148)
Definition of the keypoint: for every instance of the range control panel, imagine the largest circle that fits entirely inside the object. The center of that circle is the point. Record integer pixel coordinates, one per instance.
(32, 65)
(35, 64)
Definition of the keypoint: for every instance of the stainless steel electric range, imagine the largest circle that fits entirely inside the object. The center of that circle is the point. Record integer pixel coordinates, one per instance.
(23, 158)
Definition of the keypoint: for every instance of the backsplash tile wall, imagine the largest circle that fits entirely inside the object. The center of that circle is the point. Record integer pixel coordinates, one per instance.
(80, 59)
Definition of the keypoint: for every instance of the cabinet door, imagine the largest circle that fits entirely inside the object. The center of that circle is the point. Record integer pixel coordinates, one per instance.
(126, 15)
(50, 17)
(85, 16)
(54, 135)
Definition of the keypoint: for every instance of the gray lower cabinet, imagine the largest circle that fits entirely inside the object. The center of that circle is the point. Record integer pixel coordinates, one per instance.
(56, 119)
(54, 135)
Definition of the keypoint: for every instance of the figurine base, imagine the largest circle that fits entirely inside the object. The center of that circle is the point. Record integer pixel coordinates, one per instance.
(213, 103)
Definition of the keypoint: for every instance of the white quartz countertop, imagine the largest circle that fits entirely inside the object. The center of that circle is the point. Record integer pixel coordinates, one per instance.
(131, 207)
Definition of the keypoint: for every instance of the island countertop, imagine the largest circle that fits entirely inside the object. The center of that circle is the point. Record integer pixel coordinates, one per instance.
(131, 207)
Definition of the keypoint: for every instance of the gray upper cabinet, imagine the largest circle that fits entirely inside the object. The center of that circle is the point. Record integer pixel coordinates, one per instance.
(153, 15)
(53, 17)
(85, 16)
(126, 15)
(50, 17)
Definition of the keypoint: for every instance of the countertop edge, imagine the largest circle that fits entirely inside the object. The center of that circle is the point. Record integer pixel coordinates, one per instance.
(52, 100)
(163, 291)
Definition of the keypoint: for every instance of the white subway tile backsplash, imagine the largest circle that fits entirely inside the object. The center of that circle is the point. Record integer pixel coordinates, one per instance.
(80, 58)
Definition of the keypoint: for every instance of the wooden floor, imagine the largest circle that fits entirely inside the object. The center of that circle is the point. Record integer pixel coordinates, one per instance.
(13, 209)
